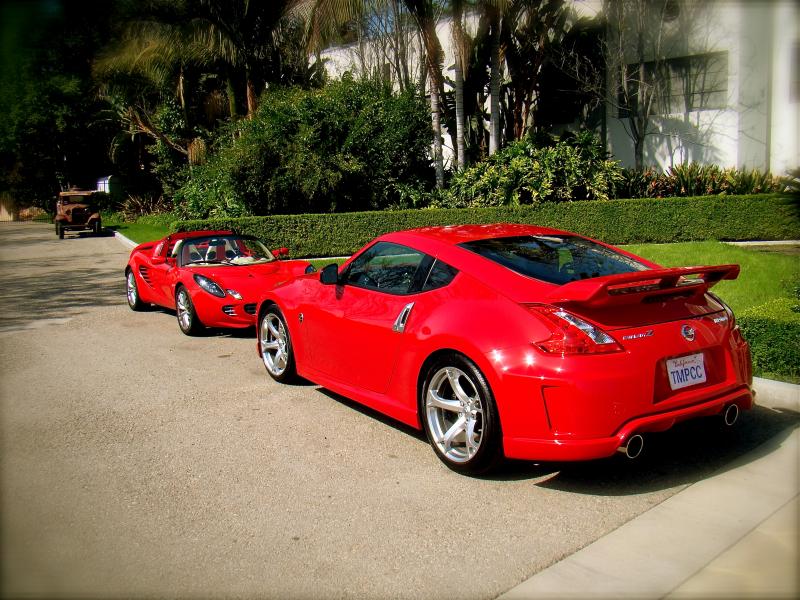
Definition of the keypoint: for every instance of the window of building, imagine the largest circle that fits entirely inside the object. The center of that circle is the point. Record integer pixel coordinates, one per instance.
(679, 85)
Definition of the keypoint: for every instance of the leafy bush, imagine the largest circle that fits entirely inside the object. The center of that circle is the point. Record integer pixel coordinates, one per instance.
(695, 179)
(773, 331)
(353, 145)
(616, 221)
(572, 168)
(135, 206)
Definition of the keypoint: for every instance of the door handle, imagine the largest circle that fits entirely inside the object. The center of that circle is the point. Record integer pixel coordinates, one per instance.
(400, 322)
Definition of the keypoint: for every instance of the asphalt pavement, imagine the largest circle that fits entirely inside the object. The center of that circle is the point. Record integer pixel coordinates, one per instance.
(135, 461)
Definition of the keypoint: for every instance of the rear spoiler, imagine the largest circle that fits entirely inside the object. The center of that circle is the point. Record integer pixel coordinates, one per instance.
(629, 288)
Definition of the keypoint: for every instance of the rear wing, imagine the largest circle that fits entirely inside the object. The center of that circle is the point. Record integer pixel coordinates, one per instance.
(630, 288)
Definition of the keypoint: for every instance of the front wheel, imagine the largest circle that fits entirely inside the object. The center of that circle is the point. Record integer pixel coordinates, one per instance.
(459, 415)
(60, 231)
(134, 300)
(275, 345)
(188, 320)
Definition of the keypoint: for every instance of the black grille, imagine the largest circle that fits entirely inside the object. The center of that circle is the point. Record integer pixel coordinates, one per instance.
(229, 310)
(250, 309)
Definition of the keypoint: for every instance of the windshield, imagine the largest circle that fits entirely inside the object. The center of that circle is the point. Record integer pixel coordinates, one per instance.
(226, 250)
(555, 259)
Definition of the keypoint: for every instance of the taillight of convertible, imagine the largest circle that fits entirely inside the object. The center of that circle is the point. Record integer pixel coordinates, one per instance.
(569, 334)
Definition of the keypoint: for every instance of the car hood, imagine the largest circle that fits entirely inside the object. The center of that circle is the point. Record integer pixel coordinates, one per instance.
(245, 277)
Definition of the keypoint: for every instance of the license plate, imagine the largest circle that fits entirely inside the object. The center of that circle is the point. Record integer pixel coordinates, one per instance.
(686, 371)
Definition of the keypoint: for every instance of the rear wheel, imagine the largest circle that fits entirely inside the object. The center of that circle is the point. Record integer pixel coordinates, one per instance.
(459, 415)
(188, 320)
(60, 231)
(275, 345)
(97, 227)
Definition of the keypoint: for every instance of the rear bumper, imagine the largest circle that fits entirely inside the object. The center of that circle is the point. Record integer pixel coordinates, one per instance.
(587, 449)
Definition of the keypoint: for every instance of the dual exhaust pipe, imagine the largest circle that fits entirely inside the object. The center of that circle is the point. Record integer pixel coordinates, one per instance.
(635, 444)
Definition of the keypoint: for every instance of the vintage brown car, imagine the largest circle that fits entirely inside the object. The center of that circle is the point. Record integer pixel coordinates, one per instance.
(77, 211)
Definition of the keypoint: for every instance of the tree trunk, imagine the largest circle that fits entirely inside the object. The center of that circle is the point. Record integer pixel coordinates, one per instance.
(252, 100)
(438, 159)
(494, 85)
(458, 46)
(231, 98)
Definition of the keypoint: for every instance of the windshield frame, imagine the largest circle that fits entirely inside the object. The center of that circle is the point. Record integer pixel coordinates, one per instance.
(179, 252)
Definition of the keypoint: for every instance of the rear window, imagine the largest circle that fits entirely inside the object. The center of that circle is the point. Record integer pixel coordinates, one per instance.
(555, 259)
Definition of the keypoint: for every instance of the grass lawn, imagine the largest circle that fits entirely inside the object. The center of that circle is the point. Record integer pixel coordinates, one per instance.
(144, 230)
(768, 272)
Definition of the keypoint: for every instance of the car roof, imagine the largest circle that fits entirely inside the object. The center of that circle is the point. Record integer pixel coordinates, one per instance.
(443, 243)
(452, 235)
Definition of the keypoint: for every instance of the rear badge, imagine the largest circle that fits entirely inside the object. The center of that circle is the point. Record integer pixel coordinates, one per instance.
(720, 320)
(638, 336)
(688, 333)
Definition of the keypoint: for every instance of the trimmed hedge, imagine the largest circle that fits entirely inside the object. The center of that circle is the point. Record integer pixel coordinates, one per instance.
(763, 217)
(773, 331)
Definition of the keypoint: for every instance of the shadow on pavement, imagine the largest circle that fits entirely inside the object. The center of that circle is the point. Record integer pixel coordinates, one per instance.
(689, 452)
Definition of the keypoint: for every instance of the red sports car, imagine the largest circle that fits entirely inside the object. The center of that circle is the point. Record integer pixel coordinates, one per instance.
(210, 278)
(513, 340)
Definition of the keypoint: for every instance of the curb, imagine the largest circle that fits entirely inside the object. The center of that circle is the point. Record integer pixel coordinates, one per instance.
(127, 242)
(658, 552)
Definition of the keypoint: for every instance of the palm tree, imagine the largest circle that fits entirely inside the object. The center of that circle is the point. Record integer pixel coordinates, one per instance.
(460, 52)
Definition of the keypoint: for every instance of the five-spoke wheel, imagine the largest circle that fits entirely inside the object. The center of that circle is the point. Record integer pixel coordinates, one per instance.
(134, 300)
(459, 415)
(276, 345)
(188, 320)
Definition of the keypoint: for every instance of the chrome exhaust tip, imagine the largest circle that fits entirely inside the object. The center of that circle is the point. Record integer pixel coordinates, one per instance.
(731, 414)
(633, 448)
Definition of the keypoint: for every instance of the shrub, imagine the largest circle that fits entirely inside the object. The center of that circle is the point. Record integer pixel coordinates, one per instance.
(616, 222)
(353, 145)
(572, 168)
(695, 179)
(773, 331)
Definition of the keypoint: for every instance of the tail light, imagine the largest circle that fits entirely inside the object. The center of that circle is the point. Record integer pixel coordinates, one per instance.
(570, 334)
(728, 310)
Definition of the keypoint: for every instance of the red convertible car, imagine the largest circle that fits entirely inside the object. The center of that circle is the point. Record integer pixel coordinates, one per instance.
(210, 278)
(513, 340)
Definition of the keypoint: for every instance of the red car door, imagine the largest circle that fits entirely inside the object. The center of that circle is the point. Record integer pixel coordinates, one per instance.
(353, 330)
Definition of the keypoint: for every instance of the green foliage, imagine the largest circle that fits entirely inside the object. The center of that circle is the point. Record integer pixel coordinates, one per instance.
(695, 179)
(773, 331)
(573, 168)
(615, 221)
(352, 145)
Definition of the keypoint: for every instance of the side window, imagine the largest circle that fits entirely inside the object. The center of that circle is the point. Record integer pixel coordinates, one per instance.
(385, 267)
(440, 275)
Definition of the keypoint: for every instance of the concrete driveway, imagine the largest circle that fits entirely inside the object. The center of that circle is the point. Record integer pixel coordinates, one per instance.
(136, 461)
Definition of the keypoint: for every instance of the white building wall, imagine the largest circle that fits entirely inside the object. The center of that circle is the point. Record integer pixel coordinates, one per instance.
(760, 127)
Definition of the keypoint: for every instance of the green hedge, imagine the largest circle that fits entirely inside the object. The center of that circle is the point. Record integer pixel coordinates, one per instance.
(773, 331)
(764, 217)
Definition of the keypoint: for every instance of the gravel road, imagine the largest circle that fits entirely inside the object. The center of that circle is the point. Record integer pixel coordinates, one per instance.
(136, 461)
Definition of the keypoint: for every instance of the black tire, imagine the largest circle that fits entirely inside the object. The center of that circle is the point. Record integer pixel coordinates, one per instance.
(188, 321)
(60, 231)
(132, 292)
(275, 345)
(470, 413)
(97, 227)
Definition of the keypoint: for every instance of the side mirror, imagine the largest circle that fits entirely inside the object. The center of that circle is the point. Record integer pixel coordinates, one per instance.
(278, 252)
(329, 274)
